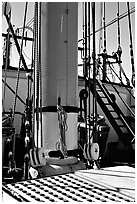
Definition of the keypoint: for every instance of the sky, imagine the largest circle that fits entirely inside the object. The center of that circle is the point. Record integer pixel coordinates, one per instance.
(111, 31)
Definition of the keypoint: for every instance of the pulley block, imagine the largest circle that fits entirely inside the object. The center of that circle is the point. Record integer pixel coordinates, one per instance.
(91, 151)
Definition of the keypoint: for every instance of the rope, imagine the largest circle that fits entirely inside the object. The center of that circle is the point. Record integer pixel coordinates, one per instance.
(104, 24)
(131, 47)
(94, 77)
(7, 62)
(104, 72)
(83, 26)
(123, 72)
(62, 118)
(100, 39)
(18, 75)
(119, 50)
(85, 67)
(89, 66)
(34, 75)
(37, 75)
(100, 35)
(40, 74)
(132, 10)
(118, 24)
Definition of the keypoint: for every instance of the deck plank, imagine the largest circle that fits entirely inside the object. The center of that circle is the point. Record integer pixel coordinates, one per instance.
(119, 178)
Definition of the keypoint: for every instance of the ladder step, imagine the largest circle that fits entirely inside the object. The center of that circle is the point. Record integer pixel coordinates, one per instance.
(117, 118)
(122, 126)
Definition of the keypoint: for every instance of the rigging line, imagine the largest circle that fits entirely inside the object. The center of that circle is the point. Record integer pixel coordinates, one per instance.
(122, 99)
(26, 55)
(104, 24)
(113, 69)
(85, 40)
(17, 82)
(40, 74)
(105, 42)
(125, 14)
(30, 21)
(100, 35)
(37, 75)
(34, 78)
(7, 62)
(32, 66)
(119, 51)
(118, 26)
(8, 86)
(85, 65)
(67, 38)
(83, 32)
(89, 66)
(94, 76)
(131, 46)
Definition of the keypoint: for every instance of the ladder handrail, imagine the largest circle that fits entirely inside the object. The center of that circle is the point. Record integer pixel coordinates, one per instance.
(123, 101)
(113, 121)
(116, 76)
(128, 126)
(121, 97)
(121, 82)
(114, 104)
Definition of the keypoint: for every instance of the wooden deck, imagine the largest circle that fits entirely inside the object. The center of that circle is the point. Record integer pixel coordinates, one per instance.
(118, 178)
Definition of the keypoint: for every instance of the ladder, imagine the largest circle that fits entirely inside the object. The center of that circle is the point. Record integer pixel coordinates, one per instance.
(114, 114)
